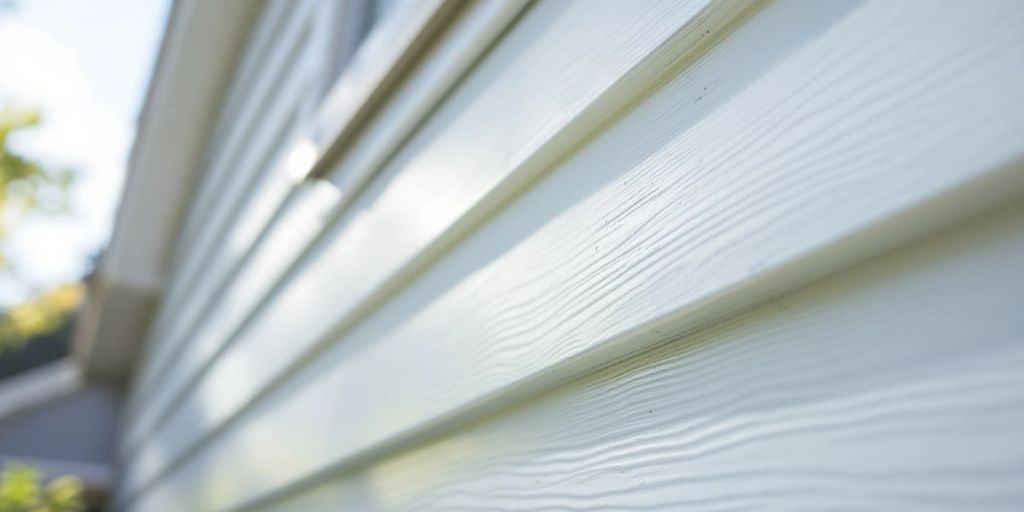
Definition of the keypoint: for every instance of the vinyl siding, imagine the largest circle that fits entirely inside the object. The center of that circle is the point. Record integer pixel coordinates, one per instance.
(708, 255)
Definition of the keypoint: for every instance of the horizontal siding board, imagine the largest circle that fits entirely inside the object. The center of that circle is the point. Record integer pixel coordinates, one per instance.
(234, 249)
(267, 261)
(225, 167)
(254, 54)
(538, 97)
(275, 19)
(224, 192)
(267, 139)
(723, 188)
(253, 198)
(387, 54)
(301, 217)
(884, 387)
(258, 51)
(421, 93)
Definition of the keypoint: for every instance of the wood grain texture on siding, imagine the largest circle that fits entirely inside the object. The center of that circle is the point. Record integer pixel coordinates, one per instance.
(457, 167)
(895, 385)
(798, 144)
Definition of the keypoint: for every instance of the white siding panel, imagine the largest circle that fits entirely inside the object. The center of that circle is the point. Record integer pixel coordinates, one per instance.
(257, 135)
(815, 135)
(290, 234)
(898, 385)
(462, 159)
(895, 385)
(302, 216)
(421, 92)
(223, 167)
(274, 25)
(379, 63)
(229, 251)
(209, 182)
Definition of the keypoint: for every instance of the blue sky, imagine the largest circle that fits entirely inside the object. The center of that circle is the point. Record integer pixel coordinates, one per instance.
(85, 64)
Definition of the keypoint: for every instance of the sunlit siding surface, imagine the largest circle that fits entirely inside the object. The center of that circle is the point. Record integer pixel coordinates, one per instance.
(601, 255)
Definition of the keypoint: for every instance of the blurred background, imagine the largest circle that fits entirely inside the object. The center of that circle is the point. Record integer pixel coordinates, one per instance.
(72, 76)
(72, 79)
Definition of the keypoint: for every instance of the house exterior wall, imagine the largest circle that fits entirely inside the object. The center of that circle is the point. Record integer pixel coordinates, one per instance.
(600, 255)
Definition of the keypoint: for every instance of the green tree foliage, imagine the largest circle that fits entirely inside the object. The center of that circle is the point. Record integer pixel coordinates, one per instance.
(39, 315)
(26, 187)
(22, 490)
